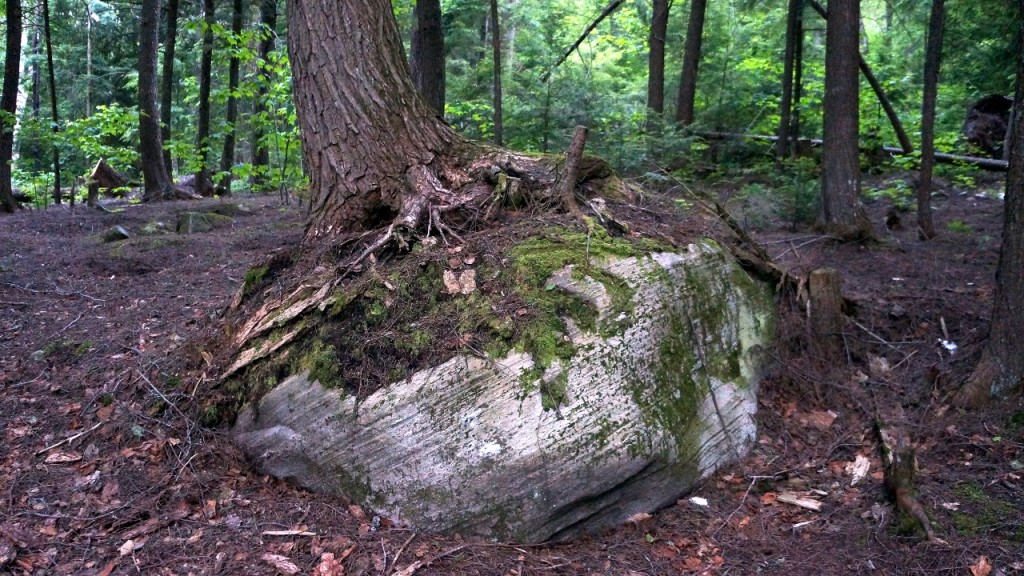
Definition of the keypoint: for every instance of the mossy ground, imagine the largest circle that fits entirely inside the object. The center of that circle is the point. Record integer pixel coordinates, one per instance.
(398, 317)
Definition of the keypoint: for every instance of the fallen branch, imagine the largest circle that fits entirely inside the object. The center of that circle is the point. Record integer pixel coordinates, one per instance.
(68, 440)
(604, 14)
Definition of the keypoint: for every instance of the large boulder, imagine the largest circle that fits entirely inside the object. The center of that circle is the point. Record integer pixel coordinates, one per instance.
(656, 396)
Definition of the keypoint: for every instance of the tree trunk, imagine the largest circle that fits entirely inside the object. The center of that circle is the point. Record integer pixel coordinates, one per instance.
(427, 53)
(88, 59)
(227, 159)
(53, 101)
(203, 184)
(932, 62)
(840, 176)
(9, 101)
(496, 51)
(167, 80)
(156, 181)
(691, 61)
(261, 152)
(359, 157)
(1001, 369)
(656, 59)
(793, 37)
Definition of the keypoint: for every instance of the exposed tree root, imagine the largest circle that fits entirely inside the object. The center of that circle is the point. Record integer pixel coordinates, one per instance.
(475, 195)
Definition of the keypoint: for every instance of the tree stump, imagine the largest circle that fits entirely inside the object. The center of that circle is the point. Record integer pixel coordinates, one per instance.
(826, 311)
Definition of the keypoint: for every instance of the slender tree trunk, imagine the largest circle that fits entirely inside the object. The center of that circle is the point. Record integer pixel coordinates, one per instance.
(798, 81)
(656, 59)
(691, 61)
(496, 51)
(9, 101)
(88, 59)
(876, 86)
(53, 101)
(363, 160)
(932, 62)
(840, 176)
(789, 59)
(427, 53)
(1001, 369)
(227, 159)
(203, 184)
(167, 80)
(156, 180)
(261, 152)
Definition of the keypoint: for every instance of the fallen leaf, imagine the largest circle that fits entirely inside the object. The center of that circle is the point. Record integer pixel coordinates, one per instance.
(63, 458)
(982, 567)
(127, 548)
(768, 498)
(281, 563)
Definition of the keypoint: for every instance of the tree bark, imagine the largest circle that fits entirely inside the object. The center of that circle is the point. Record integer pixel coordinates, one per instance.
(359, 156)
(261, 152)
(932, 62)
(794, 35)
(203, 184)
(1001, 369)
(9, 101)
(427, 53)
(840, 176)
(167, 80)
(656, 58)
(691, 62)
(53, 101)
(227, 158)
(156, 180)
(496, 52)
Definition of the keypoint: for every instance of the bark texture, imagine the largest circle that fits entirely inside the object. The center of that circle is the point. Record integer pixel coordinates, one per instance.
(840, 176)
(167, 79)
(691, 61)
(156, 180)
(1001, 370)
(364, 133)
(932, 61)
(9, 101)
(427, 53)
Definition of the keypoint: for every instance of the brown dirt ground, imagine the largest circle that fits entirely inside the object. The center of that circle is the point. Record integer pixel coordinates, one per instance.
(105, 469)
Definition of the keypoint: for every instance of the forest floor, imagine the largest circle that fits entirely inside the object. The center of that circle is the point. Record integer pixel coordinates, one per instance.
(105, 469)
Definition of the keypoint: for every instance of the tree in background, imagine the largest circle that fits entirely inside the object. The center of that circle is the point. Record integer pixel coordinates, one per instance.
(203, 183)
(54, 115)
(167, 80)
(261, 151)
(156, 180)
(426, 58)
(794, 38)
(691, 62)
(932, 61)
(9, 101)
(227, 158)
(1001, 369)
(656, 62)
(840, 156)
(496, 55)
